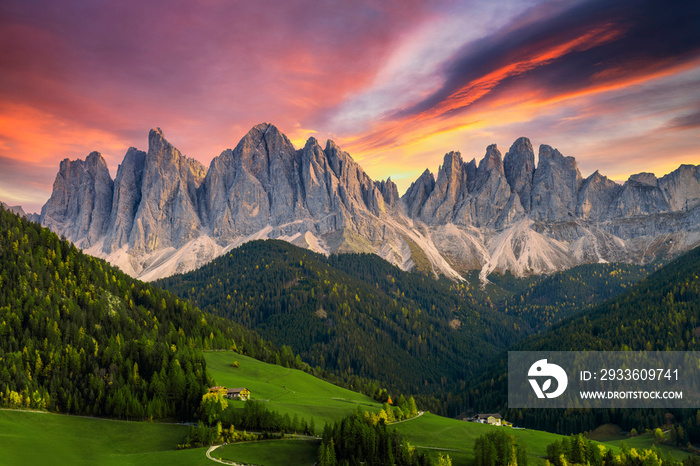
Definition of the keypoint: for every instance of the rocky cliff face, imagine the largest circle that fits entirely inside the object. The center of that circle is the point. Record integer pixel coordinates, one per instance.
(418, 193)
(126, 199)
(519, 168)
(487, 202)
(81, 202)
(165, 213)
(555, 186)
(264, 183)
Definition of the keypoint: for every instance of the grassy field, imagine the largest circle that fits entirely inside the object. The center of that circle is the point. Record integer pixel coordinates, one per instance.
(44, 438)
(612, 435)
(646, 441)
(292, 391)
(40, 438)
(271, 452)
(286, 390)
(456, 438)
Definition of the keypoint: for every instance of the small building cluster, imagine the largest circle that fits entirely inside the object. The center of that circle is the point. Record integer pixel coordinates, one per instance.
(232, 393)
(493, 419)
(238, 393)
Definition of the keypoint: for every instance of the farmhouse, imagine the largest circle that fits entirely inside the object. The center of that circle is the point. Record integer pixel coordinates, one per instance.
(217, 389)
(491, 419)
(238, 393)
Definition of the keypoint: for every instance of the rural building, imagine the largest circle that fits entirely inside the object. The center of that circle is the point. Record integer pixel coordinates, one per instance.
(238, 393)
(491, 419)
(217, 389)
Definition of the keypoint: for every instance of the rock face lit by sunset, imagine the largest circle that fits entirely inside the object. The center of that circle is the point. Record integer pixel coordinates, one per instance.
(396, 84)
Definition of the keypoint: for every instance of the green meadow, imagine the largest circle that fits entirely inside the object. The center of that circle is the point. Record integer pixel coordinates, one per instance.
(42, 438)
(612, 435)
(271, 452)
(295, 392)
(285, 390)
(45, 438)
(456, 438)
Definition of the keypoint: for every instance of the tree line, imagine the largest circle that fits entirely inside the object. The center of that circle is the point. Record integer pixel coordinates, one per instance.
(578, 450)
(660, 313)
(79, 336)
(358, 439)
(353, 315)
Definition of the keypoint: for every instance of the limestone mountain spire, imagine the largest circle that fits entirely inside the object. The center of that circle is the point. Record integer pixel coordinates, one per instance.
(166, 213)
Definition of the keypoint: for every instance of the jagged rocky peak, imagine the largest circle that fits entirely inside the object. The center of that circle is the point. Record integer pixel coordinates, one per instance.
(522, 148)
(254, 185)
(157, 144)
(490, 166)
(643, 179)
(682, 187)
(262, 140)
(596, 197)
(95, 159)
(519, 168)
(550, 155)
(164, 213)
(641, 195)
(451, 165)
(317, 186)
(598, 179)
(162, 151)
(450, 187)
(348, 172)
(416, 194)
(167, 213)
(339, 160)
(491, 161)
(555, 186)
(313, 151)
(126, 199)
(17, 210)
(488, 194)
(389, 191)
(323, 157)
(470, 171)
(81, 201)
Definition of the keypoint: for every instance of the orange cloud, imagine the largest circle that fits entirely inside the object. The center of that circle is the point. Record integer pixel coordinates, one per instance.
(29, 134)
(482, 86)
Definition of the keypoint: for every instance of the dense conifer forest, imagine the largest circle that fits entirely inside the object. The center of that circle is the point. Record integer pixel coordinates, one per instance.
(360, 439)
(660, 313)
(78, 336)
(577, 449)
(353, 314)
(359, 318)
(549, 299)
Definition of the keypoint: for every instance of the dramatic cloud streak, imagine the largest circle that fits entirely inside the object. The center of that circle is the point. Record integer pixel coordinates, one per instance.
(591, 48)
(397, 83)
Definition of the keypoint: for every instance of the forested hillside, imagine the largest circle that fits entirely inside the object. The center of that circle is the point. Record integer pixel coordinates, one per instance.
(551, 298)
(79, 336)
(352, 314)
(660, 313)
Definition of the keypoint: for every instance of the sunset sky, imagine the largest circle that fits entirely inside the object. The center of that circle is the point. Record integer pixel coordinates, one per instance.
(397, 84)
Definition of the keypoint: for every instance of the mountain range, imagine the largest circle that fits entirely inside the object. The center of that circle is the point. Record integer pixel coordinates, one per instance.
(17, 209)
(165, 213)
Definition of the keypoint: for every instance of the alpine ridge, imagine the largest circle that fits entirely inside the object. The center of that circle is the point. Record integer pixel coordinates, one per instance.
(165, 213)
